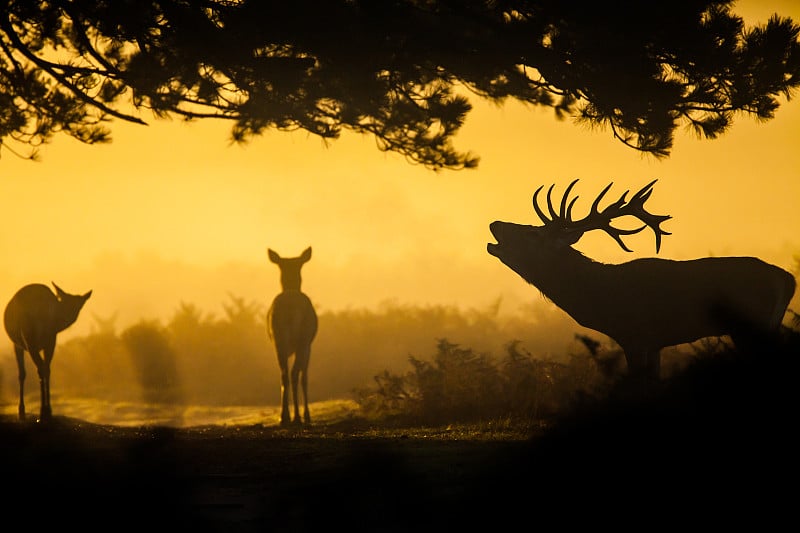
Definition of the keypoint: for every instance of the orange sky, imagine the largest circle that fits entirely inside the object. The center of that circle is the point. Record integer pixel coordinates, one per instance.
(171, 212)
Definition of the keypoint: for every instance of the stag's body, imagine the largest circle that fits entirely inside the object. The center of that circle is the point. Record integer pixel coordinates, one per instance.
(33, 318)
(648, 304)
(292, 325)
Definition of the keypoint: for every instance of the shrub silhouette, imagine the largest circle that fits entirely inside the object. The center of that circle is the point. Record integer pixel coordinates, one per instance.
(154, 361)
(461, 385)
(458, 384)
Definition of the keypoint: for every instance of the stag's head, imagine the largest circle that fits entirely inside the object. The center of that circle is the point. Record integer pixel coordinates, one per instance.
(523, 247)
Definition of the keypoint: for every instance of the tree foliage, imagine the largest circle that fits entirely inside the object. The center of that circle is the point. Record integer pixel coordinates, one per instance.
(398, 70)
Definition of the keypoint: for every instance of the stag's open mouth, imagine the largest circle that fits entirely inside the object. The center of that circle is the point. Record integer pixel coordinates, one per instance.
(491, 247)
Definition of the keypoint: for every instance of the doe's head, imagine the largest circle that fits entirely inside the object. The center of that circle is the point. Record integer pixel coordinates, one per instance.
(70, 305)
(290, 268)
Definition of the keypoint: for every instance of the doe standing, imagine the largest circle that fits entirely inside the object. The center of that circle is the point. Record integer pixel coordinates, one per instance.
(292, 325)
(33, 318)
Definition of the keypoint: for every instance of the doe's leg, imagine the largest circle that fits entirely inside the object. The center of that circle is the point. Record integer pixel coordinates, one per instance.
(20, 354)
(295, 391)
(302, 362)
(304, 383)
(285, 419)
(45, 411)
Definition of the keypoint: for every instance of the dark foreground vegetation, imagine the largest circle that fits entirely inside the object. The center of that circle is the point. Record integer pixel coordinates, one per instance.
(714, 444)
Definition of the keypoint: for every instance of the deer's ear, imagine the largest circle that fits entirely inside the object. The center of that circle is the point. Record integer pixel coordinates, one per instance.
(86, 296)
(306, 254)
(273, 256)
(59, 292)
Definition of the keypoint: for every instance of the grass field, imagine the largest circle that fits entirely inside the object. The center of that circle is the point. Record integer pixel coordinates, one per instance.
(713, 447)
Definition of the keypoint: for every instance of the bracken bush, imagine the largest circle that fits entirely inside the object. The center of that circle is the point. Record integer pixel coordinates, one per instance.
(459, 384)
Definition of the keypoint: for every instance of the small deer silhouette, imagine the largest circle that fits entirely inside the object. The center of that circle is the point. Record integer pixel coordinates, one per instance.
(645, 304)
(292, 325)
(33, 318)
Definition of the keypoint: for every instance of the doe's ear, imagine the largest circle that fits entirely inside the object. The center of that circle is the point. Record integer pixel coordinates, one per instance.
(86, 296)
(306, 254)
(273, 255)
(59, 292)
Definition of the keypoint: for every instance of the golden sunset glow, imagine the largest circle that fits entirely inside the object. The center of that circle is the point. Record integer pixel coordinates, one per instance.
(172, 212)
(300, 334)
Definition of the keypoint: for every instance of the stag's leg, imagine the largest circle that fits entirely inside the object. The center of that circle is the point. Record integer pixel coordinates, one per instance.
(637, 362)
(644, 367)
(20, 354)
(756, 340)
(653, 364)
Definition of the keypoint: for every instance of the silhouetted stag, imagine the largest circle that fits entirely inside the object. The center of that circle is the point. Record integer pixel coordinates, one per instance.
(645, 304)
(33, 318)
(292, 325)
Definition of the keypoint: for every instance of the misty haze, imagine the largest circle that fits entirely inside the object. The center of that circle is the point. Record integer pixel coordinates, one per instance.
(554, 277)
(201, 358)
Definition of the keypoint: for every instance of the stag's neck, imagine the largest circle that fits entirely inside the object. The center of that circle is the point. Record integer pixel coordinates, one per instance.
(572, 281)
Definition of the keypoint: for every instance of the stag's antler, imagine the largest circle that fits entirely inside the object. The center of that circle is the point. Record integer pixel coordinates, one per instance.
(602, 219)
